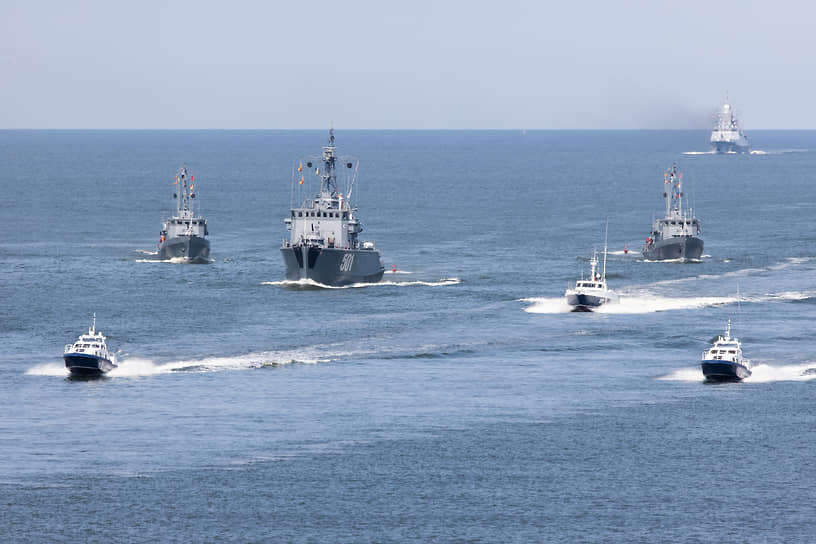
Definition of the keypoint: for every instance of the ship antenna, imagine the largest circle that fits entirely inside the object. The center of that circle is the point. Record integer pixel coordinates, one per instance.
(329, 160)
(606, 238)
(93, 327)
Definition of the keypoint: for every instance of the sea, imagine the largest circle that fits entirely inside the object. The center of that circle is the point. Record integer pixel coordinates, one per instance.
(458, 400)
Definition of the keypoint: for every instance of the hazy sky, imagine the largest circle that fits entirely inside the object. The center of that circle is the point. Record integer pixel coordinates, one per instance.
(501, 64)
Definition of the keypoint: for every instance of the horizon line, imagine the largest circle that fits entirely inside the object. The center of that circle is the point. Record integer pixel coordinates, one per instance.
(396, 129)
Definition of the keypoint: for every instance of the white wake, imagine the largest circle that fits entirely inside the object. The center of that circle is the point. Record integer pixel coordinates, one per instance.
(760, 373)
(444, 282)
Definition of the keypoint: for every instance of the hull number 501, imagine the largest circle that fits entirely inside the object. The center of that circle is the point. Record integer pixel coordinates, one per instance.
(347, 262)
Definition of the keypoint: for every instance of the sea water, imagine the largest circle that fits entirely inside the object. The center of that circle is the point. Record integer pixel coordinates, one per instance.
(459, 399)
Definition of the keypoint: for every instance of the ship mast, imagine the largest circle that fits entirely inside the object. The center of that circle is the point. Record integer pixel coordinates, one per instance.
(328, 187)
(606, 238)
(673, 194)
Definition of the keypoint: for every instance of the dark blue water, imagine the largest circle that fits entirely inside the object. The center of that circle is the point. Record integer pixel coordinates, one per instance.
(458, 401)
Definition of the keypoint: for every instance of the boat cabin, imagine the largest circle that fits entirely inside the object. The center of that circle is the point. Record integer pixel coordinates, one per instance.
(185, 225)
(326, 221)
(729, 352)
(675, 227)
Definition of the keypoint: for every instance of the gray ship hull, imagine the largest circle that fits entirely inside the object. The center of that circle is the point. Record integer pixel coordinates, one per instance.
(686, 248)
(332, 266)
(192, 248)
(729, 147)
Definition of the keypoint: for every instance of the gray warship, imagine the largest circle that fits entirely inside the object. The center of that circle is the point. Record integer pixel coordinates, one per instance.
(677, 235)
(183, 236)
(727, 136)
(323, 244)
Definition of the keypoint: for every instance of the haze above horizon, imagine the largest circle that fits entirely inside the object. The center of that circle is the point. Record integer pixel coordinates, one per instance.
(424, 65)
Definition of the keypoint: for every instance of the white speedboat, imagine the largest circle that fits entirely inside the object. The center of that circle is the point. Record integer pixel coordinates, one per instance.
(723, 362)
(591, 292)
(89, 355)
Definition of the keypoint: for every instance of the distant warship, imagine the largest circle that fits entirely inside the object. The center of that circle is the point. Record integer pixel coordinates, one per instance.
(677, 235)
(183, 235)
(727, 136)
(323, 243)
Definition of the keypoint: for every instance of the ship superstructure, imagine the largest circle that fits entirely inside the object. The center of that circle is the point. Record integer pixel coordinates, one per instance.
(324, 244)
(727, 136)
(183, 236)
(676, 236)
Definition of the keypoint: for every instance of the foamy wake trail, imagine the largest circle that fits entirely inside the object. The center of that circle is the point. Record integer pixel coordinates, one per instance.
(48, 369)
(634, 304)
(760, 373)
(764, 373)
(698, 152)
(690, 374)
(547, 305)
(172, 260)
(137, 366)
(311, 283)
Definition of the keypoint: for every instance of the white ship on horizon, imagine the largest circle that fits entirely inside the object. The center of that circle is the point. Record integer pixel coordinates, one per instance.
(727, 136)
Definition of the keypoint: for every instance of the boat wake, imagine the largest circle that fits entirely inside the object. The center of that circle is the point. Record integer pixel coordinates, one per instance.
(760, 373)
(311, 284)
(138, 366)
(172, 260)
(628, 304)
(699, 152)
(787, 263)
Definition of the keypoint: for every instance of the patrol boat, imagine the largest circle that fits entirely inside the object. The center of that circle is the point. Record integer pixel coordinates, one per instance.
(677, 235)
(591, 292)
(89, 355)
(323, 244)
(724, 362)
(727, 136)
(183, 235)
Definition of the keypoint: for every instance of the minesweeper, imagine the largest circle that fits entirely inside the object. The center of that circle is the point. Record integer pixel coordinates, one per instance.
(323, 244)
(183, 236)
(677, 235)
(727, 136)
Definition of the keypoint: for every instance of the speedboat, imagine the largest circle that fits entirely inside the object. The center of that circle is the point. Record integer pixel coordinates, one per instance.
(592, 292)
(89, 355)
(723, 362)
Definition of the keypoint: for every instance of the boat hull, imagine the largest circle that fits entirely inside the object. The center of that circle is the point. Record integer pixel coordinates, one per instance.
(729, 147)
(192, 249)
(685, 248)
(332, 266)
(724, 371)
(581, 300)
(87, 365)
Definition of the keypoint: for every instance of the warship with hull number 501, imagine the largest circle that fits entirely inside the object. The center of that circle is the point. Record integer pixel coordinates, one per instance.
(323, 244)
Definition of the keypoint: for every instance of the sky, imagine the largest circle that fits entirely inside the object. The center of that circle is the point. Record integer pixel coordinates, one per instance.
(503, 64)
